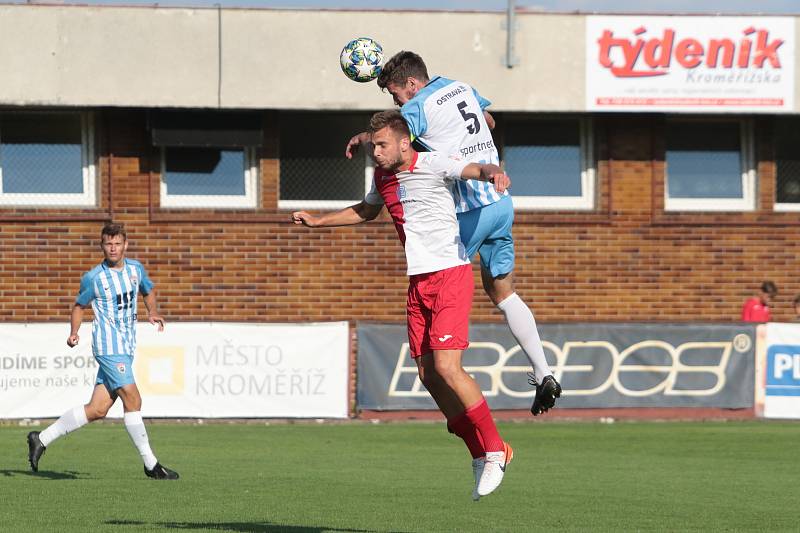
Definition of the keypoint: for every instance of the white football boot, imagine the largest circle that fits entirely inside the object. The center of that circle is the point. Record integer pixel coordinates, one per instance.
(494, 469)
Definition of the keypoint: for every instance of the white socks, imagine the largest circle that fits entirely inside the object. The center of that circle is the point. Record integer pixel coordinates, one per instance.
(135, 426)
(76, 417)
(69, 422)
(523, 327)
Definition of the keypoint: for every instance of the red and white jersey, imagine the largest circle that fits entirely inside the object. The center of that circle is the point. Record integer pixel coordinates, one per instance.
(420, 201)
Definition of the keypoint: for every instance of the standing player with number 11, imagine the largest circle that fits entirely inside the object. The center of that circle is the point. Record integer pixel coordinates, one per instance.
(111, 288)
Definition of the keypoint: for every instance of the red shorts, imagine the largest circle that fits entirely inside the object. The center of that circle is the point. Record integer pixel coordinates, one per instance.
(438, 309)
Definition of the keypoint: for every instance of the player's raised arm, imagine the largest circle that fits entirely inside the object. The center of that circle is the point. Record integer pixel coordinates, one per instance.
(487, 172)
(354, 143)
(355, 214)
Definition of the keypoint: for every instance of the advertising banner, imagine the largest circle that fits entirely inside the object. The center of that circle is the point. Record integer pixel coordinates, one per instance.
(694, 64)
(201, 370)
(779, 380)
(598, 366)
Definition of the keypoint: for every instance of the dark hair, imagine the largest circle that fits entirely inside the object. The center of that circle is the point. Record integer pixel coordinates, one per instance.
(400, 67)
(112, 229)
(769, 288)
(391, 119)
(797, 300)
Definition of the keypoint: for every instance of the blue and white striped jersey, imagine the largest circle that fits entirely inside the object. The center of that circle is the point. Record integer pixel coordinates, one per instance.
(113, 295)
(447, 116)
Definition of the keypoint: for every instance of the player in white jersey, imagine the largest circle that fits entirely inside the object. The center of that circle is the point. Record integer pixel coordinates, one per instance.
(111, 288)
(449, 116)
(417, 191)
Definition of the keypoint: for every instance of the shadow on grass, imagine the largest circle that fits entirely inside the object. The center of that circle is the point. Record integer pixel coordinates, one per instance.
(241, 527)
(44, 474)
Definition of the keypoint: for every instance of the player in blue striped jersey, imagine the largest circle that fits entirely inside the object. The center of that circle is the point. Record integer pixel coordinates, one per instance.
(111, 288)
(450, 116)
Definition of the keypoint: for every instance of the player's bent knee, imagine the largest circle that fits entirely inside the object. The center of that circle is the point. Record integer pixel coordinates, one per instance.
(132, 405)
(429, 383)
(430, 379)
(448, 371)
(499, 294)
(96, 413)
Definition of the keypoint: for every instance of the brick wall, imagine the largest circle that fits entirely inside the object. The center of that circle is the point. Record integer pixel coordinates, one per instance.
(628, 261)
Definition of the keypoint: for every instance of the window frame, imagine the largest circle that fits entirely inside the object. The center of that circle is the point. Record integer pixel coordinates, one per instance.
(749, 174)
(587, 201)
(786, 207)
(369, 173)
(89, 196)
(249, 200)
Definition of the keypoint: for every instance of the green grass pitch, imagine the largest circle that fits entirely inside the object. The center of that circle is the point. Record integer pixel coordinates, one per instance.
(408, 477)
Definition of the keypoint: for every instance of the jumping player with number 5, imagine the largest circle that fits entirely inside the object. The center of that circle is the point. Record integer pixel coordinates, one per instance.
(111, 288)
(449, 116)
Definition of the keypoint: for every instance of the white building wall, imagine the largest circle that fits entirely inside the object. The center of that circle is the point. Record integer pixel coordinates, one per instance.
(281, 59)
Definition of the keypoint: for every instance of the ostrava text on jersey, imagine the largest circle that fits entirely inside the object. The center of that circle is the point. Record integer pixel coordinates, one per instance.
(113, 295)
(447, 116)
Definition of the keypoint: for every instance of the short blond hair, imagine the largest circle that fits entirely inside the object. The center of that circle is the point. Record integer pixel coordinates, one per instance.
(391, 119)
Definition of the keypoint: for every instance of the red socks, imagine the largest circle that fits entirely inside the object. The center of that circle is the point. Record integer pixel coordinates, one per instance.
(461, 426)
(481, 418)
(476, 427)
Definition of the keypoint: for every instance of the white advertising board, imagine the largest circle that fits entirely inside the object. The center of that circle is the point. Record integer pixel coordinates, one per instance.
(201, 370)
(690, 64)
(778, 372)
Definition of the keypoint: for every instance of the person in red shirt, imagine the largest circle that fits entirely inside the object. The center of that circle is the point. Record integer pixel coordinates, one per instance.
(756, 309)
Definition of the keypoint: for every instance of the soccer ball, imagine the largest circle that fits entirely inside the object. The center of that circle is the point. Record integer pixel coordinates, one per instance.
(361, 59)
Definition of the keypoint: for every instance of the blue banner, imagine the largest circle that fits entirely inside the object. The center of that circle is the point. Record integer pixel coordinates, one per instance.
(598, 366)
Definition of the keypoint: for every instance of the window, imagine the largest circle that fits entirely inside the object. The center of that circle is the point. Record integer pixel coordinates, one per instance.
(787, 164)
(313, 170)
(208, 177)
(709, 165)
(550, 162)
(47, 159)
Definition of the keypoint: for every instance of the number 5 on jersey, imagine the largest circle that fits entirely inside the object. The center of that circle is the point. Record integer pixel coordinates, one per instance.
(473, 128)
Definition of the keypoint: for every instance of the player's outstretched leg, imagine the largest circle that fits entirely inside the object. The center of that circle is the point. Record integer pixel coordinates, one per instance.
(67, 423)
(35, 450)
(546, 393)
(523, 327)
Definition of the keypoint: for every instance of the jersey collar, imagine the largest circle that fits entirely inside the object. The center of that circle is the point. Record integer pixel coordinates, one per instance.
(107, 267)
(413, 162)
(432, 80)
